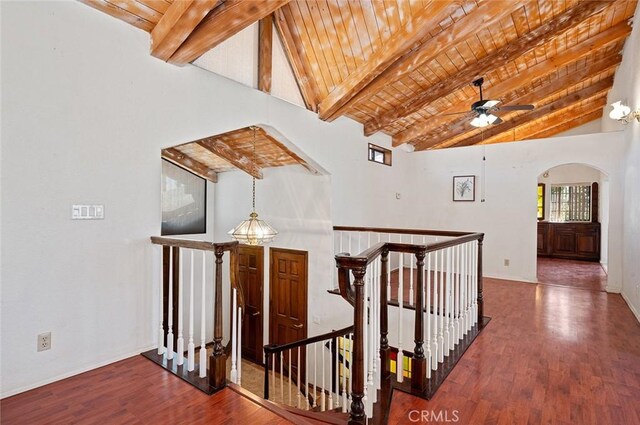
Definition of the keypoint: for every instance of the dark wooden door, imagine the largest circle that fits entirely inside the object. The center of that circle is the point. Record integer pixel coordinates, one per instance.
(288, 300)
(251, 279)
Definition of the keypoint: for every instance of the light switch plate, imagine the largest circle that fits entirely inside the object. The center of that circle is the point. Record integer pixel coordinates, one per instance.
(87, 212)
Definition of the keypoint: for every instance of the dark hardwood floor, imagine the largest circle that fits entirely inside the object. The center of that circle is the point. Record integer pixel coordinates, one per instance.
(550, 355)
(573, 273)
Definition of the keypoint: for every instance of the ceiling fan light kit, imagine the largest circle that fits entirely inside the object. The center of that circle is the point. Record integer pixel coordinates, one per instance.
(622, 113)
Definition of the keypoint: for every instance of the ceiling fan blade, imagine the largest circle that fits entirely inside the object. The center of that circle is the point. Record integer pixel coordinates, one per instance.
(455, 113)
(516, 107)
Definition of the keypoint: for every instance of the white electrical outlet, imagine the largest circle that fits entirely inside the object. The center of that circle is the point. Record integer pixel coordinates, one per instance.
(506, 262)
(44, 341)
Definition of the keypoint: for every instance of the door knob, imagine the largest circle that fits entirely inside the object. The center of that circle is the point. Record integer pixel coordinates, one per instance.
(298, 326)
(257, 313)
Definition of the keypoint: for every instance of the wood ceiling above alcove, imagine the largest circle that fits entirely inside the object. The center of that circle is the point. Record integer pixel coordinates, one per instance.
(233, 150)
(403, 67)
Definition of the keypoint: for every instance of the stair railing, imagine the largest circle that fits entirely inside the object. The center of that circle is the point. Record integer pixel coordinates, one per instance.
(183, 296)
(312, 373)
(445, 292)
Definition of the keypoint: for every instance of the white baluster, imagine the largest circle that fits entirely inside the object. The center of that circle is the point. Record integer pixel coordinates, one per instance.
(428, 313)
(445, 296)
(475, 283)
(191, 354)
(451, 300)
(289, 376)
(389, 272)
(170, 308)
(434, 342)
(315, 375)
(411, 259)
(273, 374)
(203, 325)
(180, 340)
(331, 381)
(239, 348)
(161, 309)
(323, 392)
(299, 387)
(336, 378)
(370, 338)
(234, 324)
(350, 384)
(456, 295)
(399, 357)
(306, 368)
(282, 376)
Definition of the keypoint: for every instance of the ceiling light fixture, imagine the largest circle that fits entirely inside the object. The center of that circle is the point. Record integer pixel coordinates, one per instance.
(623, 114)
(483, 120)
(253, 231)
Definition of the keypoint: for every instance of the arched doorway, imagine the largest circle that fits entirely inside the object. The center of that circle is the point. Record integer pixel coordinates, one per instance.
(573, 222)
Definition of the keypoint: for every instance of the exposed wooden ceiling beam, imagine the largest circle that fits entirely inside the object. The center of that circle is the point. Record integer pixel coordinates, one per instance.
(287, 151)
(572, 113)
(223, 22)
(569, 122)
(459, 125)
(176, 157)
(231, 155)
(120, 13)
(265, 48)
(399, 44)
(611, 35)
(180, 19)
(297, 58)
(518, 47)
(510, 123)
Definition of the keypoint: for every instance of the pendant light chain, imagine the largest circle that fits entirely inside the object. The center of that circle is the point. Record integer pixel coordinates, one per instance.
(254, 167)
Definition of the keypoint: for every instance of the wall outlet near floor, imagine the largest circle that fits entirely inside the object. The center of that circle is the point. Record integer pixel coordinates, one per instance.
(506, 262)
(44, 341)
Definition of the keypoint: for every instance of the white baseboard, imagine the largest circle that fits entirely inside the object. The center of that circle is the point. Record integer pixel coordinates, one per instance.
(75, 372)
(633, 310)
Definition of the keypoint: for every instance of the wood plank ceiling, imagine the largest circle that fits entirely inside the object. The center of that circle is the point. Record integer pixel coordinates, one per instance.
(404, 67)
(235, 150)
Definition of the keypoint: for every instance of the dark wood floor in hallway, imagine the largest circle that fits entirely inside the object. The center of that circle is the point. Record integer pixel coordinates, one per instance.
(550, 355)
(573, 273)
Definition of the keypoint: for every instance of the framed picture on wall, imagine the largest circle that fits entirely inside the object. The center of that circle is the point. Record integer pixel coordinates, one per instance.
(464, 188)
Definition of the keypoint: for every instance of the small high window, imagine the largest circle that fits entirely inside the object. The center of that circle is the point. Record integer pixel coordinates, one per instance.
(379, 154)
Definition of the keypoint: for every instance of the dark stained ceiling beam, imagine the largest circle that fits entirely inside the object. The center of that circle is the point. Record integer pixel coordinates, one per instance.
(226, 20)
(526, 42)
(176, 157)
(265, 49)
(459, 125)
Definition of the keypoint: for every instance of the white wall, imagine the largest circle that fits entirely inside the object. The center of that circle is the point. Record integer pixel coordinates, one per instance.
(85, 114)
(508, 214)
(626, 87)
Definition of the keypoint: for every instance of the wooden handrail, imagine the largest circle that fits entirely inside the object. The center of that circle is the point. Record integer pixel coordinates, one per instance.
(423, 232)
(193, 244)
(275, 348)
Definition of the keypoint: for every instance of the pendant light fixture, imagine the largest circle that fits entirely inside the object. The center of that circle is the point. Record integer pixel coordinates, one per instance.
(253, 231)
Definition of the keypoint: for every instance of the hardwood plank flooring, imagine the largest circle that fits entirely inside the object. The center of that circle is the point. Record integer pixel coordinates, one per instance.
(577, 274)
(551, 355)
(133, 391)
